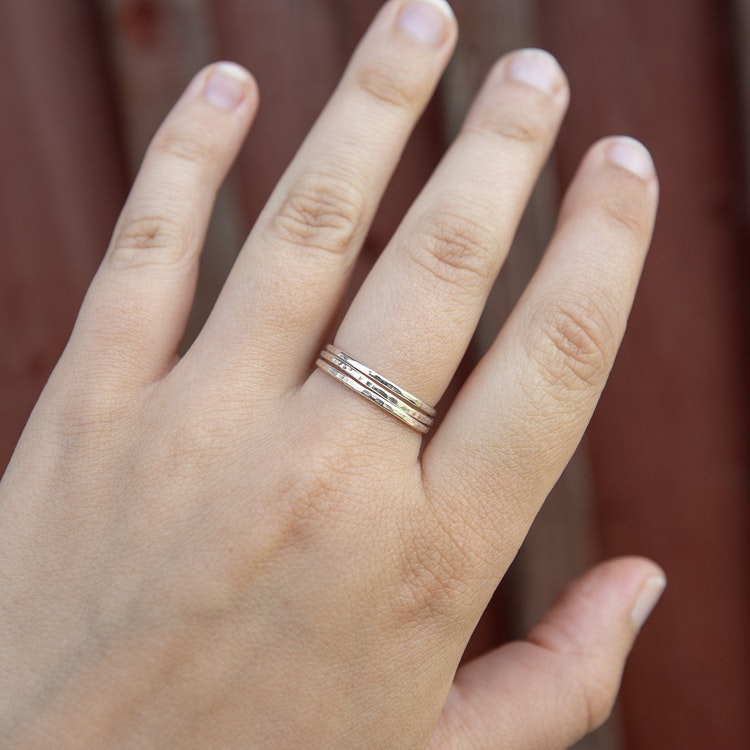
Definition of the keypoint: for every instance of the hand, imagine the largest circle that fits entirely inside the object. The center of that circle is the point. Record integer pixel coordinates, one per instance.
(232, 549)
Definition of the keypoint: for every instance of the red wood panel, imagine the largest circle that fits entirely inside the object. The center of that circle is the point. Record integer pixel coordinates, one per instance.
(156, 46)
(668, 443)
(61, 184)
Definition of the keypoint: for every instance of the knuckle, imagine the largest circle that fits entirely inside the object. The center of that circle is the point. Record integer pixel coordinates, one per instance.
(321, 212)
(185, 147)
(437, 570)
(574, 345)
(429, 588)
(389, 83)
(596, 690)
(524, 117)
(520, 127)
(527, 125)
(456, 250)
(311, 489)
(91, 421)
(151, 239)
(622, 211)
(593, 676)
(306, 485)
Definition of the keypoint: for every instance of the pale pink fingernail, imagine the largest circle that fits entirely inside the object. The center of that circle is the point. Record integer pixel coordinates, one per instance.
(536, 68)
(632, 155)
(648, 598)
(227, 86)
(428, 21)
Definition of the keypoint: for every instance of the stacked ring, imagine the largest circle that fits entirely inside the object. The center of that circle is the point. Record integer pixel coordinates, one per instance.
(375, 388)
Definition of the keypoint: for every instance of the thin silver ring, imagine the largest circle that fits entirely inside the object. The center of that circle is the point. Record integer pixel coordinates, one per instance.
(410, 399)
(376, 389)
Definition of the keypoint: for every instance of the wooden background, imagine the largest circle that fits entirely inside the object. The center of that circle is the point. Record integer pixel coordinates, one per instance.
(664, 468)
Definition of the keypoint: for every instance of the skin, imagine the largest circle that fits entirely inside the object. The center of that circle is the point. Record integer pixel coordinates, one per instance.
(230, 549)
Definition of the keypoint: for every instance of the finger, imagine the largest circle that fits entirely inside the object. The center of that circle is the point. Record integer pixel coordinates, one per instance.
(519, 417)
(289, 279)
(135, 312)
(560, 683)
(418, 308)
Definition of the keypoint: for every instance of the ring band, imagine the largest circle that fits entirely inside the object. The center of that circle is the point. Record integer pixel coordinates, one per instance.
(401, 404)
(417, 403)
(375, 387)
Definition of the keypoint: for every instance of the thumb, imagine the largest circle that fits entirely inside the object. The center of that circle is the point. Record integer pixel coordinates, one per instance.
(561, 682)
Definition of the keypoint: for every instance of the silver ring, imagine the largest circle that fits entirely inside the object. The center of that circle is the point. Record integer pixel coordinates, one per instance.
(375, 388)
(417, 403)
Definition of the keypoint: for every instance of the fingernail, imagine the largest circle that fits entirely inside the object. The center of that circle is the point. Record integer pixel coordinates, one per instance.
(536, 68)
(227, 86)
(647, 600)
(428, 21)
(629, 154)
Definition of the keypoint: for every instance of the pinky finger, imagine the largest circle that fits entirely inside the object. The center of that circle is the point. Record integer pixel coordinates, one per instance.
(134, 314)
(560, 683)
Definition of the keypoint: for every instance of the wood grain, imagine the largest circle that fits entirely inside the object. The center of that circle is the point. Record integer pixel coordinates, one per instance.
(664, 472)
(61, 185)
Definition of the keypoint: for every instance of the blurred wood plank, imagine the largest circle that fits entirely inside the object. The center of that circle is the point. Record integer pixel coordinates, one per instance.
(61, 184)
(667, 449)
(669, 440)
(155, 47)
(740, 24)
